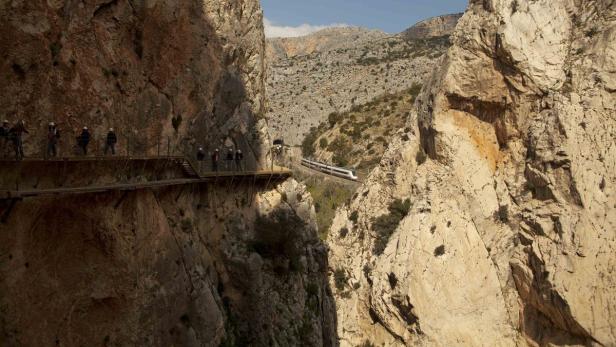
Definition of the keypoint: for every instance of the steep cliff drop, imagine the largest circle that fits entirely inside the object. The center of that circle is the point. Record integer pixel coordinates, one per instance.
(492, 221)
(199, 265)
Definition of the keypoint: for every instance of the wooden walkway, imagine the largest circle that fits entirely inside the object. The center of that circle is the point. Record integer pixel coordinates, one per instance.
(269, 176)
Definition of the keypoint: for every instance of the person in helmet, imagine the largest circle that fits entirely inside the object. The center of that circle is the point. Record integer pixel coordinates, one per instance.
(229, 159)
(53, 135)
(4, 138)
(215, 159)
(200, 157)
(112, 139)
(239, 156)
(16, 135)
(84, 140)
(200, 154)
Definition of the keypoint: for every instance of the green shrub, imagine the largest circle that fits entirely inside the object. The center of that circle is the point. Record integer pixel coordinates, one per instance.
(385, 225)
(340, 279)
(308, 142)
(367, 271)
(415, 90)
(421, 157)
(439, 251)
(393, 280)
(333, 119)
(514, 6)
(592, 32)
(340, 160)
(323, 143)
(354, 217)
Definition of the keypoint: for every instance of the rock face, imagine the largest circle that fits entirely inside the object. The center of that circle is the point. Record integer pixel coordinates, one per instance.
(433, 27)
(492, 222)
(336, 69)
(134, 66)
(202, 265)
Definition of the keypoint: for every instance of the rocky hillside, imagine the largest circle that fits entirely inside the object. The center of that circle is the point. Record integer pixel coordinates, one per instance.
(278, 49)
(181, 266)
(433, 27)
(492, 220)
(358, 138)
(334, 70)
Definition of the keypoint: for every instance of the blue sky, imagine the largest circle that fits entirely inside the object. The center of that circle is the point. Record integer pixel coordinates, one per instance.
(296, 17)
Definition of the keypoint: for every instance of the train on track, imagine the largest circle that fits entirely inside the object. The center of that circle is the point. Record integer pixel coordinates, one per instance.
(330, 170)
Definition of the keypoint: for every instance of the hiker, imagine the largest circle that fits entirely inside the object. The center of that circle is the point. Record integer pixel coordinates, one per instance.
(83, 140)
(53, 135)
(112, 139)
(239, 156)
(4, 138)
(230, 159)
(16, 134)
(200, 154)
(200, 158)
(215, 158)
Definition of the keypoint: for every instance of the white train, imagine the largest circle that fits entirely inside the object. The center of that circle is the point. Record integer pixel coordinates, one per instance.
(331, 170)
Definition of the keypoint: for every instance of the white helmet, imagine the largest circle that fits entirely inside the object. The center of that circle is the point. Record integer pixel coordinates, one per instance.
(110, 129)
(51, 124)
(85, 128)
(5, 122)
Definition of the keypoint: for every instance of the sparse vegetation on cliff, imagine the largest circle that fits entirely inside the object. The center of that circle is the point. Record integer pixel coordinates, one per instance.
(358, 138)
(385, 225)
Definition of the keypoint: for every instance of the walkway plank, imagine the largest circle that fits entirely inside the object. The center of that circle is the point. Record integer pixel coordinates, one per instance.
(204, 178)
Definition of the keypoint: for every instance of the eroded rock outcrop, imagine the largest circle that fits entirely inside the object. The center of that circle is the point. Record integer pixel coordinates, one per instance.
(433, 27)
(492, 222)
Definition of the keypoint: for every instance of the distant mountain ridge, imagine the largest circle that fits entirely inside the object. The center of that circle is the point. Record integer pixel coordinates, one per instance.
(433, 27)
(336, 69)
(320, 41)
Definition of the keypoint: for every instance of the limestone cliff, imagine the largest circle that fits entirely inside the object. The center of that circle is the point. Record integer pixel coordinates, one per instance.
(433, 27)
(134, 66)
(199, 265)
(492, 221)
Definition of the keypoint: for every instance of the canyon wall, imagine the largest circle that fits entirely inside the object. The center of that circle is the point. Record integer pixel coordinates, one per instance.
(201, 265)
(227, 263)
(491, 221)
(136, 66)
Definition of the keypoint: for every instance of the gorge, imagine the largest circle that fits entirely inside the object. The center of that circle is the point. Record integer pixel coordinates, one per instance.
(485, 215)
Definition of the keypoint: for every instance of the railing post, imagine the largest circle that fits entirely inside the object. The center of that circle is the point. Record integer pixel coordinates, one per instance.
(168, 146)
(272, 158)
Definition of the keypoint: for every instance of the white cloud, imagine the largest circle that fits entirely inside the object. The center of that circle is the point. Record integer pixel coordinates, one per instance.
(272, 30)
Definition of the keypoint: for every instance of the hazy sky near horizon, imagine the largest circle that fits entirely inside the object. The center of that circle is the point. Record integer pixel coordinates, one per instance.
(301, 17)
